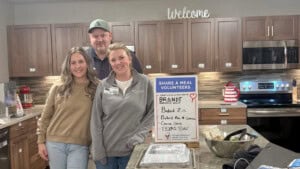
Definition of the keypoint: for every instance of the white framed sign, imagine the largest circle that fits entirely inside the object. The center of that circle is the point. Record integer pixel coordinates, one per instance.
(176, 109)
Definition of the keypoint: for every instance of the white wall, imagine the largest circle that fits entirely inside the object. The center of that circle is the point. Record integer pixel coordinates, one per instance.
(2, 107)
(131, 10)
(6, 15)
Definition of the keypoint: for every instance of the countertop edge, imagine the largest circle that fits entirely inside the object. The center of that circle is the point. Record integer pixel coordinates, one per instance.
(29, 113)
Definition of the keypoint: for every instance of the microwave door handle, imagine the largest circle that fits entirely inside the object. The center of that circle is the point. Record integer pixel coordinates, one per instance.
(285, 53)
(272, 31)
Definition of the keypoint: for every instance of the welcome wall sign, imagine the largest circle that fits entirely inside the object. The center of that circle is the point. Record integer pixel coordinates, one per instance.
(186, 13)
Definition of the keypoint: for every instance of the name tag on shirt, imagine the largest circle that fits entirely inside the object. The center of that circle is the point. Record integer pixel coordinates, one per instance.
(112, 90)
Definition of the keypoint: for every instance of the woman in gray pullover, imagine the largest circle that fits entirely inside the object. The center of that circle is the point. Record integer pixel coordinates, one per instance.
(122, 112)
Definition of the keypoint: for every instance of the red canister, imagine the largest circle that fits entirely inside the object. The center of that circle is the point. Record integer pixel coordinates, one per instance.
(231, 93)
(25, 96)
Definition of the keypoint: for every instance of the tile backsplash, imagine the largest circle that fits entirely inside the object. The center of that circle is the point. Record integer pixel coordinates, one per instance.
(39, 86)
(210, 84)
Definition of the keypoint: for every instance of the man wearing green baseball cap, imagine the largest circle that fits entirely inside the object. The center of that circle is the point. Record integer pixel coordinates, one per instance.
(100, 38)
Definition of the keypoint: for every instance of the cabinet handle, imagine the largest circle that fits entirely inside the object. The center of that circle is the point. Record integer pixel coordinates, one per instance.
(272, 31)
(223, 121)
(223, 114)
(228, 64)
(201, 65)
(32, 69)
(20, 150)
(174, 66)
(148, 67)
(268, 31)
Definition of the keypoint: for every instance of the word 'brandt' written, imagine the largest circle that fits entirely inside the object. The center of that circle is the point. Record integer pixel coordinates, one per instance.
(169, 100)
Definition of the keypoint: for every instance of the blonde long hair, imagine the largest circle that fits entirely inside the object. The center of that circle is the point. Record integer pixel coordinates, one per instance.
(67, 78)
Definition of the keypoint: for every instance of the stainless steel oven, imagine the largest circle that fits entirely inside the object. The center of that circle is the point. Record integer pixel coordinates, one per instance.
(4, 149)
(271, 112)
(270, 54)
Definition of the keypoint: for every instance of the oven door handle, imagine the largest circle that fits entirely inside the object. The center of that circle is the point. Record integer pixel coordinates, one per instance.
(275, 111)
(265, 111)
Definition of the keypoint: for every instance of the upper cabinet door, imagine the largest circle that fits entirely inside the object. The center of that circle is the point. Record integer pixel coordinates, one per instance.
(29, 50)
(270, 28)
(64, 37)
(122, 32)
(200, 45)
(148, 45)
(86, 37)
(174, 46)
(228, 44)
(284, 27)
(255, 28)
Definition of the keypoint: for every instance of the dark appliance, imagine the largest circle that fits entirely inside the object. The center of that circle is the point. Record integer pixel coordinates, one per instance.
(4, 149)
(270, 55)
(271, 111)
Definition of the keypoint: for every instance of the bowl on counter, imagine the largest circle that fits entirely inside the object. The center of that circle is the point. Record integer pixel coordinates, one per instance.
(223, 146)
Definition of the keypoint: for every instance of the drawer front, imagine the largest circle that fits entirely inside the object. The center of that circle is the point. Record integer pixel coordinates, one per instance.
(223, 121)
(222, 116)
(18, 129)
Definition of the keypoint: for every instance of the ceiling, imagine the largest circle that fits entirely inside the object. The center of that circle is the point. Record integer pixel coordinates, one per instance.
(27, 1)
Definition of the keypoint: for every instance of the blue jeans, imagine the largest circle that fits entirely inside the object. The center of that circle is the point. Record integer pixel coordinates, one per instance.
(67, 156)
(114, 163)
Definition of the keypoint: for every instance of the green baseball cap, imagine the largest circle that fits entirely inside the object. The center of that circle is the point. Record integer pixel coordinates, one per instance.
(98, 23)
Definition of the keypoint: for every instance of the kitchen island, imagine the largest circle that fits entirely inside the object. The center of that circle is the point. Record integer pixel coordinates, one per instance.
(203, 157)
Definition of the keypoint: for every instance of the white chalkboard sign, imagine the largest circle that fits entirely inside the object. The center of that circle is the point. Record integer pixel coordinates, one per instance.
(176, 109)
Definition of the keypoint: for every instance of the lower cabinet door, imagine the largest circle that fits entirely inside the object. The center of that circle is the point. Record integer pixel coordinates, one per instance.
(19, 152)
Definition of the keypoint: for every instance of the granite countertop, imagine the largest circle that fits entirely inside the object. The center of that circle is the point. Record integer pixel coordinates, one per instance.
(204, 158)
(221, 104)
(29, 113)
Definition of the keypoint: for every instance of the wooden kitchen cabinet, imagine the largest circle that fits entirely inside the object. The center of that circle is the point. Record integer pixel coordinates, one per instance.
(19, 145)
(228, 44)
(29, 50)
(19, 152)
(190, 46)
(222, 116)
(35, 161)
(200, 45)
(175, 46)
(148, 45)
(122, 32)
(64, 37)
(270, 28)
(23, 146)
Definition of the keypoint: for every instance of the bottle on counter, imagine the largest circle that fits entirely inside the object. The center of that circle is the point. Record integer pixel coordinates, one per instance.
(294, 91)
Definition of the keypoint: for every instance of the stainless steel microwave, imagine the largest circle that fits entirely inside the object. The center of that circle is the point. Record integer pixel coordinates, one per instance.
(270, 55)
